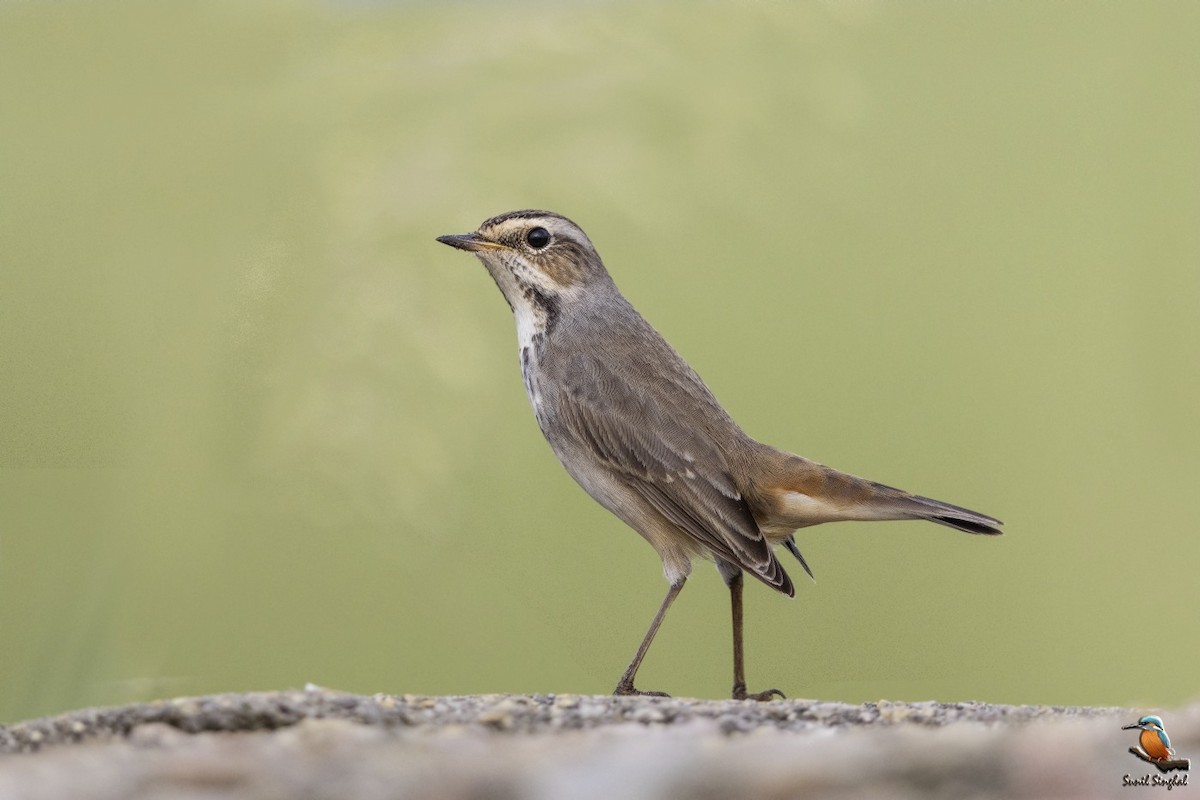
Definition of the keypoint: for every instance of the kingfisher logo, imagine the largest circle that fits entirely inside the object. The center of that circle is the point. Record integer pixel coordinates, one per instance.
(1154, 747)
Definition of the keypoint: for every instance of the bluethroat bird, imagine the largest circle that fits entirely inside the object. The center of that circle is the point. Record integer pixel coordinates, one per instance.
(635, 426)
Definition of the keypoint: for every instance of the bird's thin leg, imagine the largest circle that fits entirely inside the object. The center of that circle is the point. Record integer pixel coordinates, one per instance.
(739, 660)
(625, 685)
(734, 581)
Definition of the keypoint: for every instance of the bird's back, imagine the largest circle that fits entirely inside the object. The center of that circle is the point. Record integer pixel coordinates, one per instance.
(607, 349)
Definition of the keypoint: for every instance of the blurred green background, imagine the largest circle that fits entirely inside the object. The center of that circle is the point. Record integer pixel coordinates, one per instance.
(258, 428)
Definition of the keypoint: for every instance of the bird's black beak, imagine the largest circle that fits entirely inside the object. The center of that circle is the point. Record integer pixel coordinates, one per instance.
(471, 242)
(1130, 727)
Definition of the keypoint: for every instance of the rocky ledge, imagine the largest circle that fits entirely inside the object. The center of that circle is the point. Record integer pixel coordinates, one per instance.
(321, 744)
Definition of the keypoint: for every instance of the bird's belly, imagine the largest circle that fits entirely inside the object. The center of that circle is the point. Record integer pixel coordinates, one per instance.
(1153, 745)
(611, 492)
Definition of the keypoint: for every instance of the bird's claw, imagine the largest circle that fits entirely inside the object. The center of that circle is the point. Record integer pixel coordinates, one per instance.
(740, 693)
(628, 690)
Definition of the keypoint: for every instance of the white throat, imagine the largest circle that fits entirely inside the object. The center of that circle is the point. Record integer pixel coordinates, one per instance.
(531, 321)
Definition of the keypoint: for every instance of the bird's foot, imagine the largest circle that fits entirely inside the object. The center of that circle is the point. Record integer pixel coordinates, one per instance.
(627, 690)
(740, 693)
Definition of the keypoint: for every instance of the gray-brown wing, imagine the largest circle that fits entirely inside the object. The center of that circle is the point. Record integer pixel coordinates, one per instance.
(644, 441)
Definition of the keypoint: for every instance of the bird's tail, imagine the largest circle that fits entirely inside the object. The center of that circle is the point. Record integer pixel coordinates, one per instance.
(914, 506)
(792, 492)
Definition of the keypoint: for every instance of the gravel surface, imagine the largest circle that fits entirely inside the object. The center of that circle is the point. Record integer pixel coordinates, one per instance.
(321, 744)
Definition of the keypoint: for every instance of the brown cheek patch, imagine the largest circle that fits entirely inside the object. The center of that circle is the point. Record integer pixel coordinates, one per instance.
(562, 264)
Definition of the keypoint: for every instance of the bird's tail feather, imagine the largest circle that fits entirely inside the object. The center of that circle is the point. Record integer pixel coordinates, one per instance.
(952, 516)
(792, 492)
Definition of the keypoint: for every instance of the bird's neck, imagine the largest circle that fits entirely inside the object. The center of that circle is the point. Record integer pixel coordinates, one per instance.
(536, 314)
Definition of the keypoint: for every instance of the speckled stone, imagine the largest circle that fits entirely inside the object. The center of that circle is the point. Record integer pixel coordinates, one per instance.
(322, 744)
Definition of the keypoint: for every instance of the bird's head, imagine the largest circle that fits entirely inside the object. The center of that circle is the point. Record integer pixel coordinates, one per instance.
(539, 259)
(1147, 723)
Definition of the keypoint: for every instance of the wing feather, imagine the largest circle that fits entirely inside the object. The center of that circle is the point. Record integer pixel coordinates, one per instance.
(681, 473)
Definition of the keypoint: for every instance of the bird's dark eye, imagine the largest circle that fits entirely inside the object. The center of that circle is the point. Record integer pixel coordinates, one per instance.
(538, 238)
